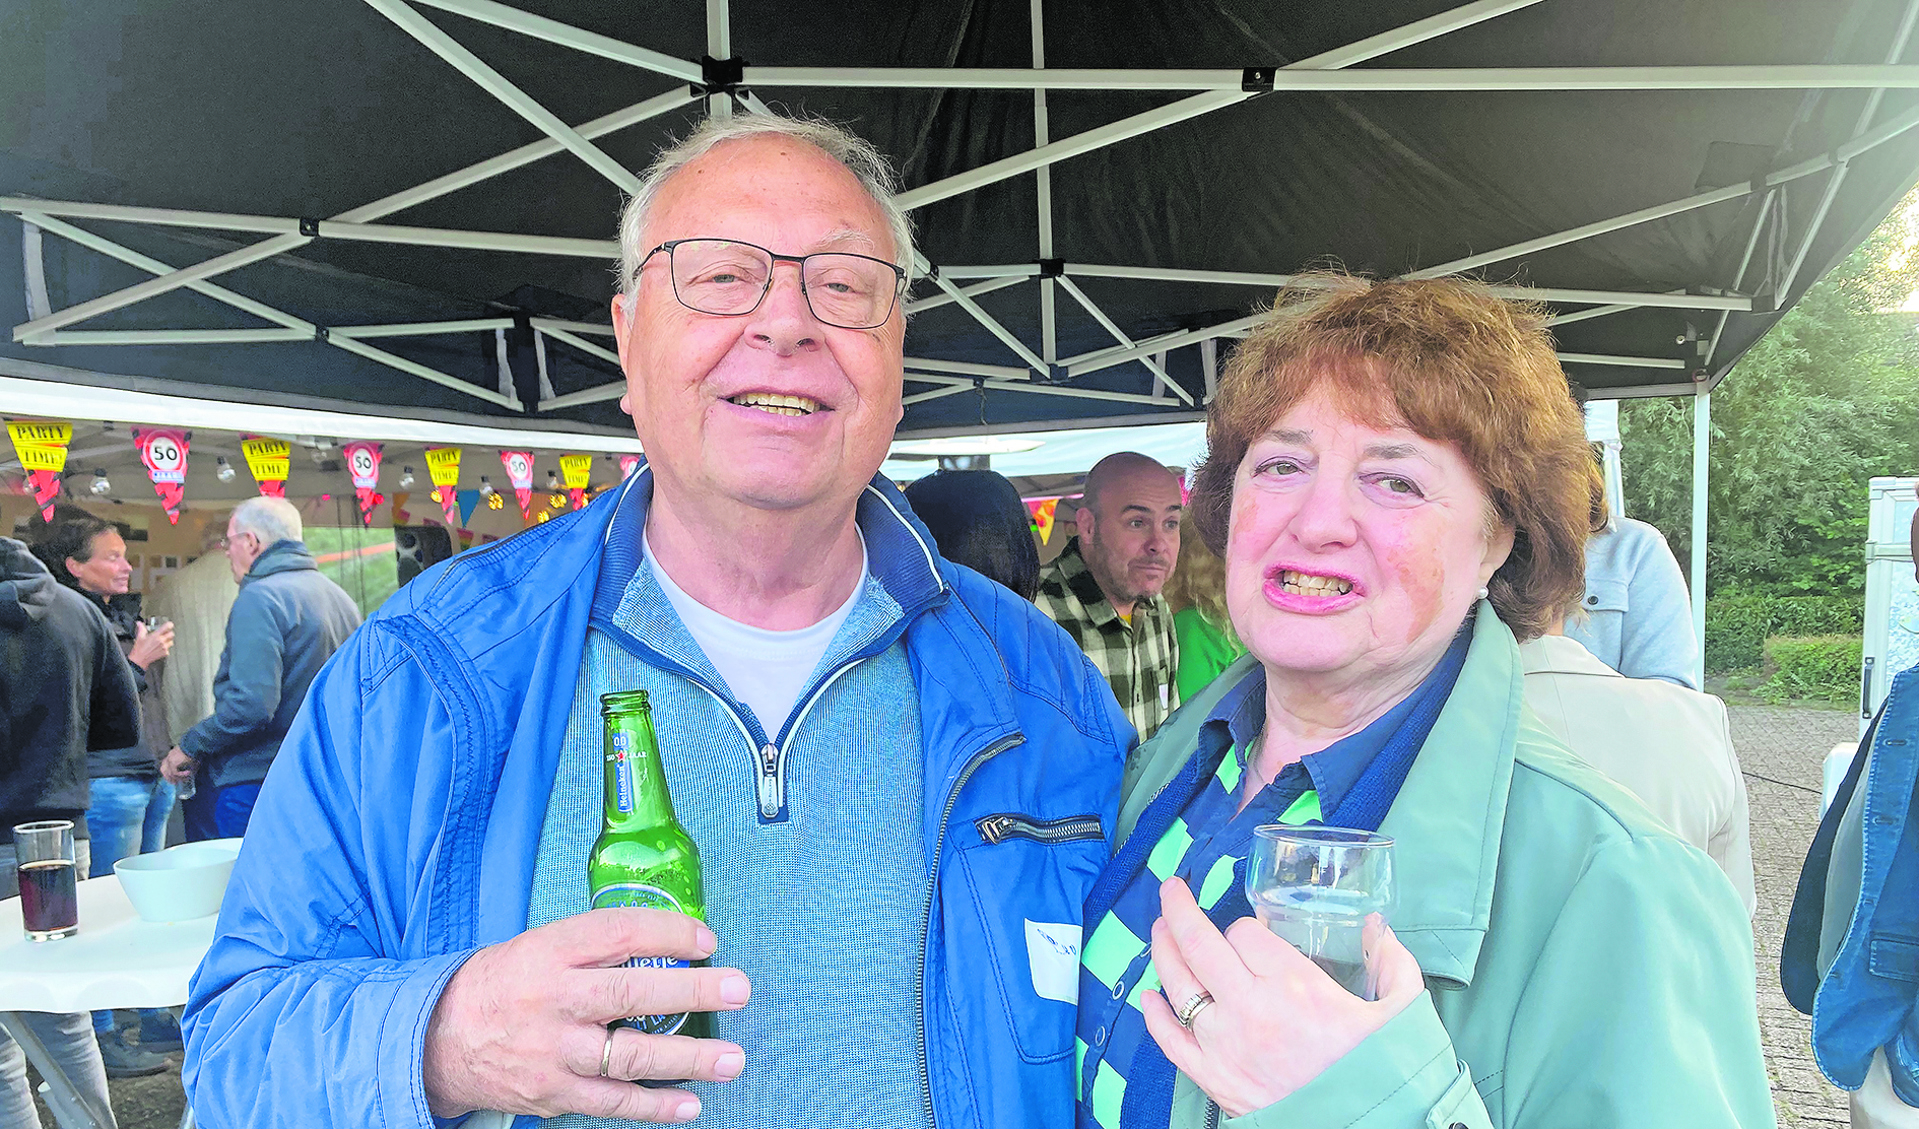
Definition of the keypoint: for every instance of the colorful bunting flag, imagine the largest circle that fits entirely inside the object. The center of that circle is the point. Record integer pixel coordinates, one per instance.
(519, 471)
(164, 451)
(577, 472)
(468, 501)
(628, 464)
(41, 448)
(443, 463)
(270, 460)
(363, 463)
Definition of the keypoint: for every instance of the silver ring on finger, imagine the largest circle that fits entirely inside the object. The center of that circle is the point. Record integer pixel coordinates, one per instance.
(1197, 1002)
(606, 1052)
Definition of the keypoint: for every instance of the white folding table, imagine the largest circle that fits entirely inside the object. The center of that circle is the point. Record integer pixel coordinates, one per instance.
(116, 960)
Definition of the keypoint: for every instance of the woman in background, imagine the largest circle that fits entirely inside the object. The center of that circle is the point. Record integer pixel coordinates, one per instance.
(977, 519)
(1197, 592)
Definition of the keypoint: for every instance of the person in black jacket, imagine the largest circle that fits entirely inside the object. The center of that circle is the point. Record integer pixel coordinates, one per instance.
(129, 804)
(65, 690)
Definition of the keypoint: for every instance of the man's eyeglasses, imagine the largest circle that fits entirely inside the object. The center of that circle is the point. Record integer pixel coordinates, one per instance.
(728, 278)
(227, 542)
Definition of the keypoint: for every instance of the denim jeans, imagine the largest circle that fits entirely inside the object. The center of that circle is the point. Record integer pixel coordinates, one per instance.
(68, 1037)
(221, 813)
(127, 816)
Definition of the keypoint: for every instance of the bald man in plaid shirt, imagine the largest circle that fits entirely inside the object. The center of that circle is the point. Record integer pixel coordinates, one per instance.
(1104, 586)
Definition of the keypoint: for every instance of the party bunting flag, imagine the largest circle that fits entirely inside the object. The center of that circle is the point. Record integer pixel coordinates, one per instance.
(519, 471)
(41, 448)
(443, 463)
(363, 463)
(269, 460)
(628, 464)
(468, 501)
(1043, 510)
(164, 451)
(577, 472)
(400, 514)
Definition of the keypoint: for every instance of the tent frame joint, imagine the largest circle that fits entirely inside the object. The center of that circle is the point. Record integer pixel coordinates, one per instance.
(1257, 80)
(1052, 268)
(310, 227)
(321, 333)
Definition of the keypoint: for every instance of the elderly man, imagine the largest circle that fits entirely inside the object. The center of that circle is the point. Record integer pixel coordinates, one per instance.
(900, 778)
(1104, 586)
(286, 621)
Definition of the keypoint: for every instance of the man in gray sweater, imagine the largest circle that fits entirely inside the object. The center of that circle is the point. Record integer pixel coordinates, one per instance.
(286, 622)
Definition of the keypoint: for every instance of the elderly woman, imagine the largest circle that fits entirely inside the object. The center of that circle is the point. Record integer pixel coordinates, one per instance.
(1397, 484)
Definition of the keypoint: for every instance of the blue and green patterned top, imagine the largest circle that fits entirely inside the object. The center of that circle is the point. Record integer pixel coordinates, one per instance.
(1204, 840)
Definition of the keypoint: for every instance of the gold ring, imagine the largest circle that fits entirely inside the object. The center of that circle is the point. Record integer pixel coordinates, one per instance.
(1197, 1002)
(606, 1052)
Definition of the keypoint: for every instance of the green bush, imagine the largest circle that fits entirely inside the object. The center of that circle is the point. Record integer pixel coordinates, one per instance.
(1738, 626)
(1823, 667)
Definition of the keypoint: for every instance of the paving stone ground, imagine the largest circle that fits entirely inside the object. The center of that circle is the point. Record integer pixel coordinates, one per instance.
(1781, 750)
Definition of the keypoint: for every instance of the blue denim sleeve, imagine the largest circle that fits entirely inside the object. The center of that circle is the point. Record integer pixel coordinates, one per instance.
(311, 1007)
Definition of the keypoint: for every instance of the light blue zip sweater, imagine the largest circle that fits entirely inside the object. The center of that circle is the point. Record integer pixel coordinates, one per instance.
(832, 1034)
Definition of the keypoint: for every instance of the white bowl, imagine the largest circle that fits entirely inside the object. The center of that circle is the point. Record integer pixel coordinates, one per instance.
(179, 884)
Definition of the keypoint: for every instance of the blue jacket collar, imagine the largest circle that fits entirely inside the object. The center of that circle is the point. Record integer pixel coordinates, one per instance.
(899, 552)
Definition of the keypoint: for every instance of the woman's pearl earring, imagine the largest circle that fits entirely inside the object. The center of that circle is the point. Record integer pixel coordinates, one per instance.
(1482, 591)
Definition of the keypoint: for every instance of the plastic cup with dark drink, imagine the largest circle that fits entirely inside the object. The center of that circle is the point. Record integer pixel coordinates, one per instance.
(49, 887)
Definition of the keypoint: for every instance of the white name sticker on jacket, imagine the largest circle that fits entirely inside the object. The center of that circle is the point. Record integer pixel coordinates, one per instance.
(1052, 948)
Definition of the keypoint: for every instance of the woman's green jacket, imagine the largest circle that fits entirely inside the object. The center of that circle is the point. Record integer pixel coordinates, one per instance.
(1584, 966)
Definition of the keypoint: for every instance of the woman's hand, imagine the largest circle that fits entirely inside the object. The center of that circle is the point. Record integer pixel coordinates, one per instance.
(150, 647)
(1276, 1021)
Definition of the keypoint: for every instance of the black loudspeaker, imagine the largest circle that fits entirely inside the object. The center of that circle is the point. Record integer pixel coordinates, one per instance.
(419, 547)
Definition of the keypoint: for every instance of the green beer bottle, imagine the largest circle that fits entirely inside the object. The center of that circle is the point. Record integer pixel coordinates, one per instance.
(643, 856)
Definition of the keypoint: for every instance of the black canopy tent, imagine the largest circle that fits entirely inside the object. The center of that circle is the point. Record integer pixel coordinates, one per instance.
(382, 206)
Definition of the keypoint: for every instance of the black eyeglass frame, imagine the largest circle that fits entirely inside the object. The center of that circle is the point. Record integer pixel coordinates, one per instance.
(899, 284)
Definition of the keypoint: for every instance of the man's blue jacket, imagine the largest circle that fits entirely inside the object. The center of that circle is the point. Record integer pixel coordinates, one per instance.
(397, 831)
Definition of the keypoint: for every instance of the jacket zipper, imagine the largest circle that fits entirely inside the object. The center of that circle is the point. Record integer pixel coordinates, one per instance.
(1012, 825)
(932, 887)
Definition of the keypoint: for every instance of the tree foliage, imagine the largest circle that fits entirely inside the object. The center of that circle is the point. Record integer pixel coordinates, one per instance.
(1825, 401)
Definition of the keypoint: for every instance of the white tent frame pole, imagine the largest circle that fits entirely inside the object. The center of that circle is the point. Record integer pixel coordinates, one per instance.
(1626, 362)
(1859, 143)
(1320, 79)
(1701, 465)
(593, 395)
(420, 328)
(993, 326)
(386, 205)
(1048, 313)
(1838, 177)
(571, 326)
(1586, 315)
(553, 31)
(1187, 108)
(56, 399)
(327, 229)
(1157, 367)
(998, 384)
(997, 270)
(1076, 366)
(965, 368)
(935, 394)
(583, 345)
(1739, 280)
(171, 336)
(935, 301)
(268, 313)
(1662, 300)
(719, 45)
(509, 95)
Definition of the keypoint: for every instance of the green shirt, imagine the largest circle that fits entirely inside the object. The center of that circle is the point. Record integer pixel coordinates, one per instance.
(1204, 651)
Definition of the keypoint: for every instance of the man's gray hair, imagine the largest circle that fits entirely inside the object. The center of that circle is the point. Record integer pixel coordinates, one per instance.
(269, 519)
(866, 163)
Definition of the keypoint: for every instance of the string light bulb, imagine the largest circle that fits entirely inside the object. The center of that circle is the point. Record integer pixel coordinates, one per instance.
(223, 470)
(406, 478)
(486, 488)
(100, 485)
(553, 482)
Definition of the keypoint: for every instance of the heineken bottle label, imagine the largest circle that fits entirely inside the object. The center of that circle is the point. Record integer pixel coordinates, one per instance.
(642, 896)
